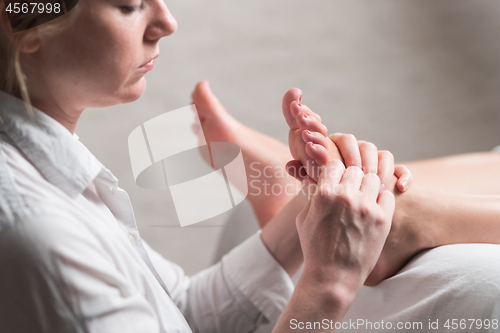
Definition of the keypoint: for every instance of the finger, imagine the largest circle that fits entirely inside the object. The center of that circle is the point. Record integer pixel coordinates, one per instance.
(307, 122)
(370, 187)
(405, 178)
(369, 157)
(331, 174)
(301, 217)
(348, 147)
(291, 95)
(295, 169)
(385, 168)
(387, 202)
(352, 178)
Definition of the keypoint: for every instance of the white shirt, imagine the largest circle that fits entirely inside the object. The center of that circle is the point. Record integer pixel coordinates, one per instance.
(72, 259)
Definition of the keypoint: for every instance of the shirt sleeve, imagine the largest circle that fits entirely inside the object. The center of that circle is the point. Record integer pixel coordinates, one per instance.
(47, 286)
(246, 288)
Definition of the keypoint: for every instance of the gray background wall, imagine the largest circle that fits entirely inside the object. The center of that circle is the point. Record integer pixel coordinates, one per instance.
(420, 78)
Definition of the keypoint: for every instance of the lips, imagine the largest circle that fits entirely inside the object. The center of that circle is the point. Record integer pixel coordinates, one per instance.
(150, 62)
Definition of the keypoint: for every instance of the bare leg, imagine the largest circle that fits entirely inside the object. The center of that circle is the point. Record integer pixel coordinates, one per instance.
(476, 173)
(461, 173)
(270, 187)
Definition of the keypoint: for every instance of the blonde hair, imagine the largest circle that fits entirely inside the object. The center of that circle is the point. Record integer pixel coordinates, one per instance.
(12, 78)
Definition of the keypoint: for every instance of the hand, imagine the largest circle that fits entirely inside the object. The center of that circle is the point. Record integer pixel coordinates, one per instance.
(364, 154)
(405, 238)
(343, 227)
(354, 153)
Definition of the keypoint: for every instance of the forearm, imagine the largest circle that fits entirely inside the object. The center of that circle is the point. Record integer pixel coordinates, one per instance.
(315, 302)
(342, 236)
(281, 238)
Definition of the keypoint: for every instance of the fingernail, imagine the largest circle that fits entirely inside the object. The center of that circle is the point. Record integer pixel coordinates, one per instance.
(382, 187)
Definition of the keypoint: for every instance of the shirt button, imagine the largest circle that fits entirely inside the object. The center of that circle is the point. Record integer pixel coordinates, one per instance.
(131, 238)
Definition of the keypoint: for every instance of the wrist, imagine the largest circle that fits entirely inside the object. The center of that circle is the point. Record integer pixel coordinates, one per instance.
(281, 239)
(332, 286)
(315, 299)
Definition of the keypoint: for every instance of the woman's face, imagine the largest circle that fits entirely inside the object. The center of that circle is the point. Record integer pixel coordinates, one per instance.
(97, 61)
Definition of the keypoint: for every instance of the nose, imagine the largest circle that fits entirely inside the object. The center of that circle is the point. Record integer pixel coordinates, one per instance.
(162, 22)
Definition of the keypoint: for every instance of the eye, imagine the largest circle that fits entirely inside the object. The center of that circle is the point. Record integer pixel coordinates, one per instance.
(131, 9)
(128, 9)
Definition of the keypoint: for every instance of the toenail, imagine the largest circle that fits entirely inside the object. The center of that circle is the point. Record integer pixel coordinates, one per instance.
(309, 132)
(305, 115)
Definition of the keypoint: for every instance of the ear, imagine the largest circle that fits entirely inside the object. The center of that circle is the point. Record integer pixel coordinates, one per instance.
(31, 41)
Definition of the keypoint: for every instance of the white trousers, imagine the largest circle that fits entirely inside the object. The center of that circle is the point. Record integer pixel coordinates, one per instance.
(460, 282)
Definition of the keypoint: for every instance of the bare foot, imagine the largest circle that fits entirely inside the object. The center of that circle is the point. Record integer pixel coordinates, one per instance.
(270, 188)
(308, 140)
(311, 148)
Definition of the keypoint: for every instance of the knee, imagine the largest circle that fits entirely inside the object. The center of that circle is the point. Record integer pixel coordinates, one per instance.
(465, 278)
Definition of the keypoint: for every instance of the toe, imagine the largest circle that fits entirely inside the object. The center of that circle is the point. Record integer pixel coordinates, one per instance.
(206, 102)
(292, 95)
(318, 153)
(200, 90)
(310, 123)
(316, 138)
(297, 107)
(295, 169)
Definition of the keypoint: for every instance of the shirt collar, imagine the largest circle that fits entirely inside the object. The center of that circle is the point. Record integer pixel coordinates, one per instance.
(59, 156)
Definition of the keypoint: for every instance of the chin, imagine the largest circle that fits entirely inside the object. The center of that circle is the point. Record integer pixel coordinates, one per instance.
(134, 92)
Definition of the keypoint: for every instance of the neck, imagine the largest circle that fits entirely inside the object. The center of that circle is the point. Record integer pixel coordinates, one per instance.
(66, 118)
(55, 105)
